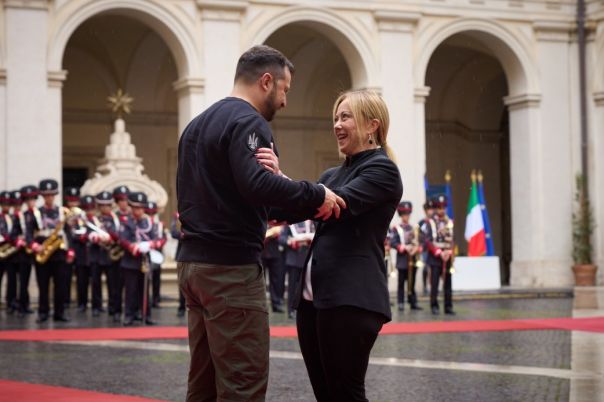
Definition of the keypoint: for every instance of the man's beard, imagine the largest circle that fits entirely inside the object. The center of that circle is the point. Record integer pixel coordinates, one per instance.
(270, 107)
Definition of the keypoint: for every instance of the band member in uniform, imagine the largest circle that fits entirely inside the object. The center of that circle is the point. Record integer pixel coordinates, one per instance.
(24, 233)
(423, 228)
(439, 241)
(7, 249)
(176, 234)
(137, 237)
(160, 236)
(272, 260)
(95, 234)
(78, 236)
(404, 239)
(296, 239)
(120, 195)
(110, 253)
(50, 241)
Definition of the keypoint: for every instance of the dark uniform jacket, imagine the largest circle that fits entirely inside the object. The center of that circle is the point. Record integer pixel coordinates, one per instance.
(93, 250)
(110, 223)
(438, 236)
(223, 192)
(134, 231)
(40, 223)
(6, 228)
(408, 238)
(17, 233)
(348, 266)
(78, 233)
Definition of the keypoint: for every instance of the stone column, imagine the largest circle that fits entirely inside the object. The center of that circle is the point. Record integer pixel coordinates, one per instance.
(3, 139)
(421, 94)
(596, 172)
(33, 149)
(526, 190)
(221, 36)
(396, 42)
(190, 92)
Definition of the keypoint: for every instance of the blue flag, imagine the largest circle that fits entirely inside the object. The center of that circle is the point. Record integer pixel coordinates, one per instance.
(485, 218)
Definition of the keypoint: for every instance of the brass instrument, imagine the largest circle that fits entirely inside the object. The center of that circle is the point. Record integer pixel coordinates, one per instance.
(272, 232)
(116, 252)
(6, 250)
(55, 241)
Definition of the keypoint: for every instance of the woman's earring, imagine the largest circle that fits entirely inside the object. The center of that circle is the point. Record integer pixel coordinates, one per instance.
(370, 139)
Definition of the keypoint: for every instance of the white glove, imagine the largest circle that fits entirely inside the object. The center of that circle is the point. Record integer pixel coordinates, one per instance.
(144, 247)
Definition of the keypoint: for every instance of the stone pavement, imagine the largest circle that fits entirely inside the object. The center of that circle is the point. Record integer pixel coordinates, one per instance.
(528, 365)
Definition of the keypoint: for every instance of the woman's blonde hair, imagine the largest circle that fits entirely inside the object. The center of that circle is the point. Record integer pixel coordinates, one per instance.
(365, 106)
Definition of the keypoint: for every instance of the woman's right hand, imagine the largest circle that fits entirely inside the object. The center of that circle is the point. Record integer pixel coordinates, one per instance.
(267, 158)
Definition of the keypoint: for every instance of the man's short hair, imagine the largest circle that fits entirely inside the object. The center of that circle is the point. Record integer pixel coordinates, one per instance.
(259, 60)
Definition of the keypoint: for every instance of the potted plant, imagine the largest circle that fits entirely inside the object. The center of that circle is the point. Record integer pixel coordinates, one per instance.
(583, 226)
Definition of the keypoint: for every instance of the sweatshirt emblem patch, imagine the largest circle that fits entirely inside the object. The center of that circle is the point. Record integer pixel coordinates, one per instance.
(252, 141)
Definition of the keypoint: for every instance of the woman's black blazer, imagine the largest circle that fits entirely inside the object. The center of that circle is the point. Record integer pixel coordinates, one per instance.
(348, 266)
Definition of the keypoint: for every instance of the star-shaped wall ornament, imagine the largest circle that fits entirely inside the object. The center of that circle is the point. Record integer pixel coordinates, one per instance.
(120, 103)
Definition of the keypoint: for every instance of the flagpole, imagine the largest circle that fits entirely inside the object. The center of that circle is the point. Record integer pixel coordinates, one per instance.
(449, 195)
(485, 216)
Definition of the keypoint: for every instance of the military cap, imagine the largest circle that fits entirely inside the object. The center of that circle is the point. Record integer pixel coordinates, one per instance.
(440, 201)
(137, 199)
(87, 202)
(104, 198)
(15, 197)
(405, 207)
(29, 192)
(429, 204)
(4, 198)
(49, 187)
(151, 208)
(121, 193)
(71, 193)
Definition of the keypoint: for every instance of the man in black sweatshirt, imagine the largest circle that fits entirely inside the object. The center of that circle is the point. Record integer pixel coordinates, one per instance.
(223, 201)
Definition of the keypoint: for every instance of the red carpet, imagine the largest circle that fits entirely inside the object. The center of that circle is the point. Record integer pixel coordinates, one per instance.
(11, 391)
(592, 324)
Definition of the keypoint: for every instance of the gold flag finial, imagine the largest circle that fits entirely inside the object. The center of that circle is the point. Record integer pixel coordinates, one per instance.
(448, 175)
(473, 175)
(480, 176)
(120, 103)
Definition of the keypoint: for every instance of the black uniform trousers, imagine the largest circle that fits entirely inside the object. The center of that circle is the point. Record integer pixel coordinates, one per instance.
(10, 268)
(336, 344)
(24, 271)
(293, 277)
(83, 281)
(69, 281)
(116, 283)
(57, 270)
(276, 279)
(435, 277)
(134, 282)
(97, 271)
(404, 279)
(156, 279)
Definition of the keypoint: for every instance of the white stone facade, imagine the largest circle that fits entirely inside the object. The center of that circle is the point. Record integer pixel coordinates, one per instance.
(527, 50)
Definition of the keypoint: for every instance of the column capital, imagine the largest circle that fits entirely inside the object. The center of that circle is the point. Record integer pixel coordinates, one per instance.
(553, 31)
(32, 4)
(598, 98)
(522, 101)
(189, 85)
(222, 10)
(2, 76)
(56, 78)
(396, 21)
(420, 94)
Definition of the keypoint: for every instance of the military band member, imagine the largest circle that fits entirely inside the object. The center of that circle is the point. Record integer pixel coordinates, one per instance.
(428, 214)
(296, 239)
(176, 234)
(47, 219)
(109, 253)
(405, 240)
(95, 235)
(120, 195)
(272, 260)
(160, 236)
(7, 248)
(25, 223)
(439, 241)
(137, 237)
(77, 234)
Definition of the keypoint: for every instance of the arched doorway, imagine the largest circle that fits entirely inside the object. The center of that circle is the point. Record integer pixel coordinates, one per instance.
(304, 129)
(107, 52)
(467, 127)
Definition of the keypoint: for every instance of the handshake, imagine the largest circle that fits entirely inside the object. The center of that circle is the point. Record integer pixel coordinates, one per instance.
(332, 204)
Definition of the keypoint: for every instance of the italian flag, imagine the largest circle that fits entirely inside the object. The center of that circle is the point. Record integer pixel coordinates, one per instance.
(474, 234)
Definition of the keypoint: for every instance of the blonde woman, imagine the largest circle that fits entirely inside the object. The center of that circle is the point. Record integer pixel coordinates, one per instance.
(343, 298)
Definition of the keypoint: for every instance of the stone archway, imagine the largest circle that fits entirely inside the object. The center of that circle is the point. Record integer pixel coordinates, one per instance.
(496, 73)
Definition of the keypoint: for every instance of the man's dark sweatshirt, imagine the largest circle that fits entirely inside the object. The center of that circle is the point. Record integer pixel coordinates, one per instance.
(223, 192)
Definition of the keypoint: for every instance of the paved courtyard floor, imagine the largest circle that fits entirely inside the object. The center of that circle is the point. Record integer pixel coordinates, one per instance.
(525, 357)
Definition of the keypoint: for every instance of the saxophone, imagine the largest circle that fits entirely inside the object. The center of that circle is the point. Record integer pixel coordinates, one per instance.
(55, 241)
